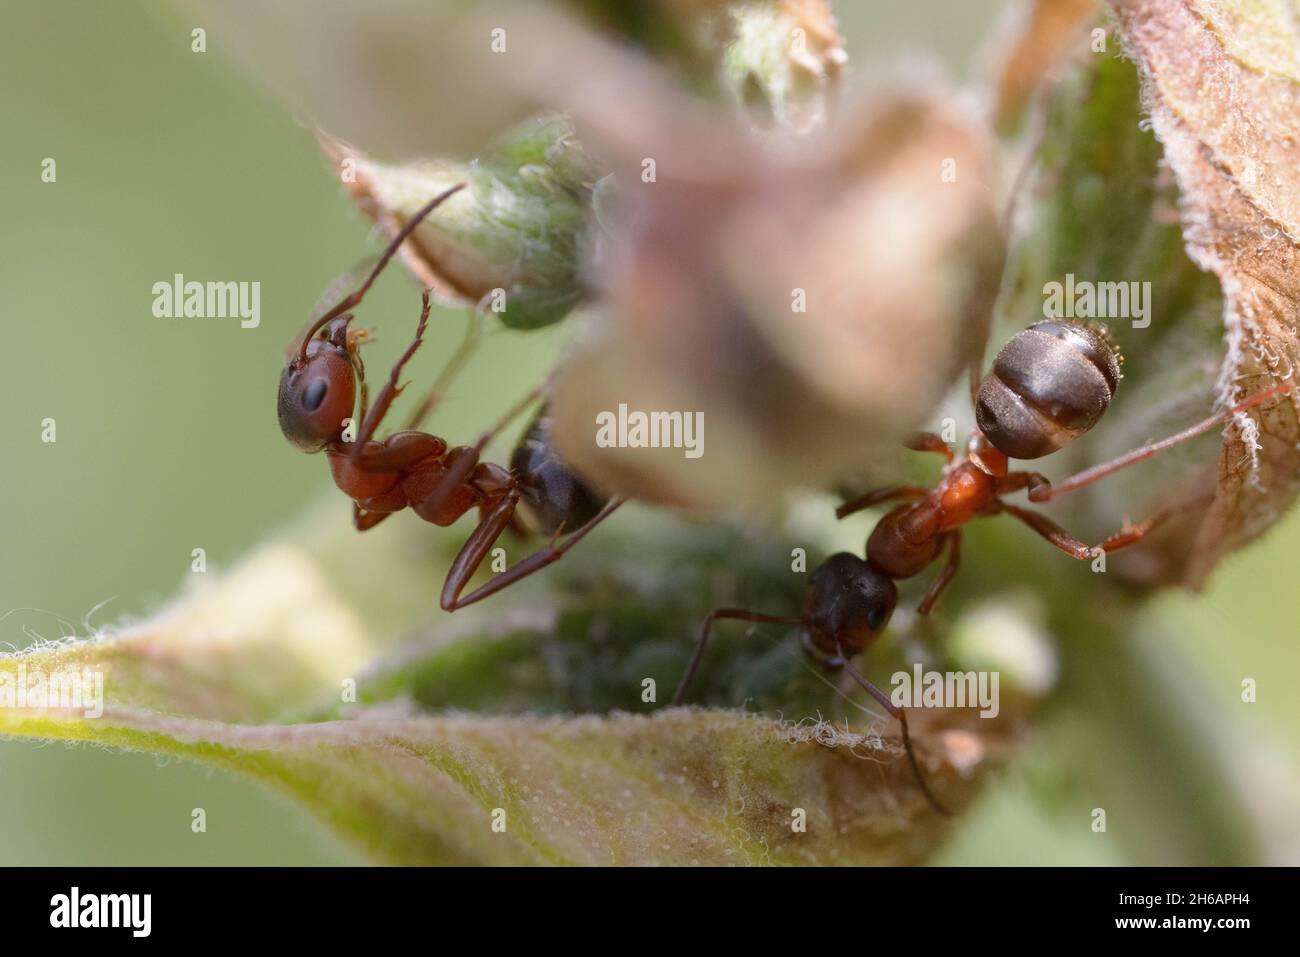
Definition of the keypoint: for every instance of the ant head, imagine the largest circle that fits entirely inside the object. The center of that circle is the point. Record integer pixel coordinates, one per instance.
(848, 604)
(318, 388)
(1049, 384)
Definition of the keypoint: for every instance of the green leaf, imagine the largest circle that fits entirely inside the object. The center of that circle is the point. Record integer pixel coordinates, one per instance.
(247, 672)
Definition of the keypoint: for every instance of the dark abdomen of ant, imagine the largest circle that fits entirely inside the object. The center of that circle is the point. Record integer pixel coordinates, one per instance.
(555, 498)
(1049, 384)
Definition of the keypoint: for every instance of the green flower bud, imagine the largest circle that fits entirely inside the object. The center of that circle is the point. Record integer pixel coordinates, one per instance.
(511, 240)
(782, 61)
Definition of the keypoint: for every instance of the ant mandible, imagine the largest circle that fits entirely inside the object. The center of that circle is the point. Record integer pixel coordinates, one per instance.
(318, 392)
(1050, 383)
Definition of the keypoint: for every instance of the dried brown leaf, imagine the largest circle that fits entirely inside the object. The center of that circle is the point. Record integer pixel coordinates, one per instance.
(1221, 87)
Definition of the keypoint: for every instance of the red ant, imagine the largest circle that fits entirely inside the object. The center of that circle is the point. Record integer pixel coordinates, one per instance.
(317, 396)
(1050, 383)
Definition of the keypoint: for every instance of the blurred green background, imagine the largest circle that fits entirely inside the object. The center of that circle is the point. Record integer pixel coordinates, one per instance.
(170, 161)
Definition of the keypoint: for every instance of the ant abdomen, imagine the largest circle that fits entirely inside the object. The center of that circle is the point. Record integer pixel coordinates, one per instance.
(556, 498)
(1049, 384)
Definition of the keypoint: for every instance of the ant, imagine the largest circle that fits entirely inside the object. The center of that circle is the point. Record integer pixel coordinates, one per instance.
(1050, 384)
(318, 393)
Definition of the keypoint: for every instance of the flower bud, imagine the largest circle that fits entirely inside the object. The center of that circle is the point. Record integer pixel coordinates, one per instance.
(782, 61)
(511, 240)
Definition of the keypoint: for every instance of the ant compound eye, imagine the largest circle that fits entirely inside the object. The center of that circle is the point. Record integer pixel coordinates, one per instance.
(877, 617)
(312, 414)
(314, 394)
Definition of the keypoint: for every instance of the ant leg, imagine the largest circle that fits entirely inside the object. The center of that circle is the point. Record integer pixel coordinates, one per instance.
(917, 442)
(354, 300)
(391, 389)
(449, 372)
(364, 521)
(928, 442)
(477, 546)
(1067, 543)
(883, 700)
(731, 614)
(480, 542)
(1047, 492)
(397, 453)
(1132, 534)
(462, 461)
(1054, 533)
(945, 574)
(1015, 481)
(914, 492)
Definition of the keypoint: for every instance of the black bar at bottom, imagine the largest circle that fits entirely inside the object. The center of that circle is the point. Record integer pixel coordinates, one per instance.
(335, 906)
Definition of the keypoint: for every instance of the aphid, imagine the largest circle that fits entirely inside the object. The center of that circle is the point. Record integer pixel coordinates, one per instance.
(319, 389)
(1050, 383)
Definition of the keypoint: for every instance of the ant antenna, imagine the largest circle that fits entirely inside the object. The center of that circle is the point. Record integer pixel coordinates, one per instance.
(355, 298)
(901, 715)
